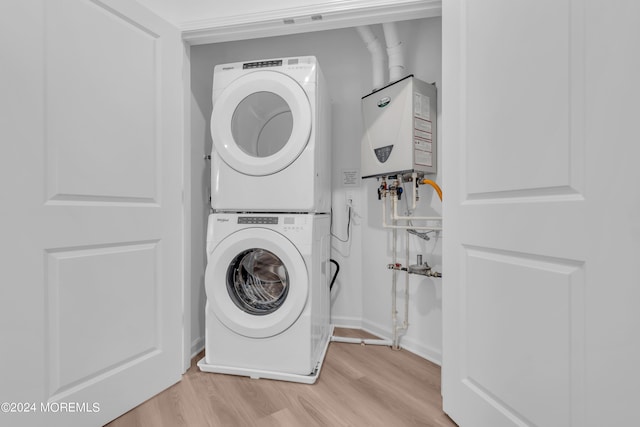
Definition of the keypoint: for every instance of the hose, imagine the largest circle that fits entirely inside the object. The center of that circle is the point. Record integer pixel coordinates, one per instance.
(434, 185)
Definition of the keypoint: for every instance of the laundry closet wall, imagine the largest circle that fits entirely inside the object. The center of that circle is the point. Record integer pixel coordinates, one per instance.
(361, 296)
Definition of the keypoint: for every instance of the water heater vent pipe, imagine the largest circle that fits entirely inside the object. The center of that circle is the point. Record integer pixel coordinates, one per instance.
(377, 55)
(394, 51)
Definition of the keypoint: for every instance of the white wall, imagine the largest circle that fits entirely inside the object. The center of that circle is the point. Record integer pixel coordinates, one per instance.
(424, 336)
(200, 177)
(361, 295)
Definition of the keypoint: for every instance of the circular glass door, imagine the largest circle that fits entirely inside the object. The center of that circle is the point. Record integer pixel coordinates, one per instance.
(256, 282)
(261, 123)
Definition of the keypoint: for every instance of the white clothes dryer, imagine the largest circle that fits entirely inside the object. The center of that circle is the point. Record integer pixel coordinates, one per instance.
(271, 133)
(267, 286)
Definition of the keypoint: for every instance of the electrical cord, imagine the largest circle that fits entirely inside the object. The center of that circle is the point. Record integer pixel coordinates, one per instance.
(334, 262)
(348, 227)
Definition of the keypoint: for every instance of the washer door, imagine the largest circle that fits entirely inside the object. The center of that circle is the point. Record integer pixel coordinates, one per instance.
(257, 282)
(261, 123)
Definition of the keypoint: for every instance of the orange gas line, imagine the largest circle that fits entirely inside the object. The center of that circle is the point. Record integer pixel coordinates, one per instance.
(434, 185)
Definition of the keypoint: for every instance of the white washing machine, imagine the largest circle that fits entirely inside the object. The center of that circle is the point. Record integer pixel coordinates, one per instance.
(271, 135)
(267, 286)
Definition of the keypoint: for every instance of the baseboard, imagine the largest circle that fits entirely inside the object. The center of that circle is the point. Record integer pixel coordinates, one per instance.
(432, 355)
(197, 346)
(346, 322)
(407, 343)
(376, 329)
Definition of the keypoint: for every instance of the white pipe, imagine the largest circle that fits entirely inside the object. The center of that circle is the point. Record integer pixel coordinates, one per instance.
(396, 217)
(394, 226)
(377, 55)
(363, 341)
(394, 51)
(413, 227)
(405, 323)
(394, 304)
(408, 227)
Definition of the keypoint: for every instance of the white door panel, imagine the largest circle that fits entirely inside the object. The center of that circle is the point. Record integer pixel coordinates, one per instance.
(529, 126)
(541, 220)
(98, 99)
(92, 211)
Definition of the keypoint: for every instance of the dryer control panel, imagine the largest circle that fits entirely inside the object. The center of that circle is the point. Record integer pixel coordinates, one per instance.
(262, 64)
(253, 220)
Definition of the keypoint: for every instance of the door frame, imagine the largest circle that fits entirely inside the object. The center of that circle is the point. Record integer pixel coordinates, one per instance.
(269, 24)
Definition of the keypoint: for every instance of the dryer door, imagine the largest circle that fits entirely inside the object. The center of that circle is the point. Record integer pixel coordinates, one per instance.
(261, 123)
(257, 282)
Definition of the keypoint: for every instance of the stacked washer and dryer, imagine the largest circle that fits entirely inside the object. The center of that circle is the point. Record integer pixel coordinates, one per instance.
(268, 238)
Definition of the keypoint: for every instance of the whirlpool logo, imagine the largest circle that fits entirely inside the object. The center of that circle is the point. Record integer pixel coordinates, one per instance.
(384, 102)
(222, 219)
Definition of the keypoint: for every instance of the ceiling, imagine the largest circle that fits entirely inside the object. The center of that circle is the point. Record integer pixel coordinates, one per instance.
(180, 12)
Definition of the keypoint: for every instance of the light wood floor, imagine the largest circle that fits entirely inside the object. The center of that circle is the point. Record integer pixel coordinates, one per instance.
(358, 386)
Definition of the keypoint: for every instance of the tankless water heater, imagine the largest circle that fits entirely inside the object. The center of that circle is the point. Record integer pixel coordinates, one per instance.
(399, 129)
